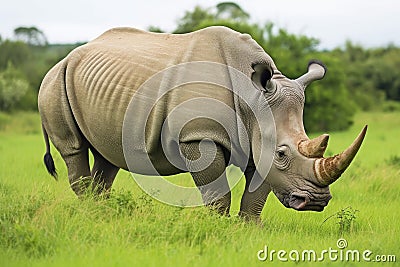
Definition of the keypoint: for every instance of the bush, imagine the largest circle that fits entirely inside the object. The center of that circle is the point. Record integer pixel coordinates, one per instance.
(15, 52)
(393, 160)
(391, 106)
(12, 88)
(4, 120)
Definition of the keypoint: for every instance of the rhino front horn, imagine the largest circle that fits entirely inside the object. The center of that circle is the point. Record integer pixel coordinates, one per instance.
(328, 170)
(316, 71)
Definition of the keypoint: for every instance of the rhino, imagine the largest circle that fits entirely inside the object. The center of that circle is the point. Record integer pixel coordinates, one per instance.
(99, 98)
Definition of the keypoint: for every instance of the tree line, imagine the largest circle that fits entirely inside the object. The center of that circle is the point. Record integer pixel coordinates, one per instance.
(357, 79)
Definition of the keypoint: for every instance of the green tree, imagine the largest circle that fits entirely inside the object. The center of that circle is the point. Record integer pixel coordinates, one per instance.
(383, 69)
(17, 53)
(353, 60)
(155, 29)
(372, 74)
(231, 11)
(13, 88)
(225, 13)
(31, 36)
(192, 19)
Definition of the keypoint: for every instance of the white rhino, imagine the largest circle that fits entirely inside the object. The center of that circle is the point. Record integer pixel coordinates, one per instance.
(100, 94)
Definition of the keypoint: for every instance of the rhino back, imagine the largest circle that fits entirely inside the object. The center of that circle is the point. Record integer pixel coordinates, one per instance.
(103, 76)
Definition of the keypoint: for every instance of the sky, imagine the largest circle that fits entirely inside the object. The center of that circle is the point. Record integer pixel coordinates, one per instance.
(367, 23)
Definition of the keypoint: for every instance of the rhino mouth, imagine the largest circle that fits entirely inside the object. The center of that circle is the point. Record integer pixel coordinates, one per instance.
(302, 202)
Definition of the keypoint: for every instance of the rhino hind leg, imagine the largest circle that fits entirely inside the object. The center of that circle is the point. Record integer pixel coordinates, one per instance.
(72, 145)
(60, 126)
(74, 149)
(82, 180)
(103, 173)
(78, 171)
(211, 180)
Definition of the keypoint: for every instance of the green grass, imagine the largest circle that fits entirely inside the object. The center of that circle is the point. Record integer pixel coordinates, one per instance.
(43, 223)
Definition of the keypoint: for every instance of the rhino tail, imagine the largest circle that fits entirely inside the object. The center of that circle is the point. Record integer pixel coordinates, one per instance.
(48, 159)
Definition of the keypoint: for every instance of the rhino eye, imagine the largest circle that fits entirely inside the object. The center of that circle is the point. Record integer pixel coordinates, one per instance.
(281, 154)
(282, 157)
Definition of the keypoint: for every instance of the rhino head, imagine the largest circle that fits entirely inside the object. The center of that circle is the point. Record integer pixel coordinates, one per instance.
(300, 175)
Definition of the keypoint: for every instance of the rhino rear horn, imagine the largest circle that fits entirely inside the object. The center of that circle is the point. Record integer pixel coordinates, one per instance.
(316, 71)
(314, 148)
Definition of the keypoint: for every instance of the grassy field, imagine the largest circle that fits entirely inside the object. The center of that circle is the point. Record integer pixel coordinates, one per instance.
(42, 223)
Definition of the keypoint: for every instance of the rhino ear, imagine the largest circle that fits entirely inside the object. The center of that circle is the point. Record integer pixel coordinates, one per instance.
(262, 78)
(316, 71)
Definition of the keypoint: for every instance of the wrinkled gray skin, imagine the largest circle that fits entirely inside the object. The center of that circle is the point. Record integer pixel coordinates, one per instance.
(83, 100)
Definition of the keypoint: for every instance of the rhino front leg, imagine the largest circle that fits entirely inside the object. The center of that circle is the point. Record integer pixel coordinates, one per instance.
(253, 200)
(210, 179)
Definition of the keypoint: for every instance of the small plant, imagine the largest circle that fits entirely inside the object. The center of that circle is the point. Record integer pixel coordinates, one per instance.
(393, 160)
(345, 219)
(123, 202)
